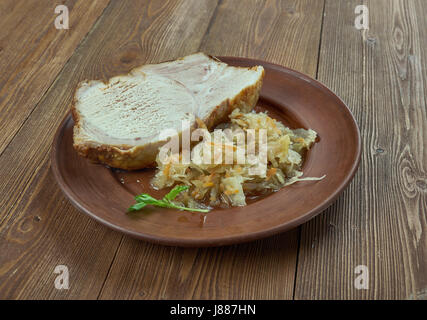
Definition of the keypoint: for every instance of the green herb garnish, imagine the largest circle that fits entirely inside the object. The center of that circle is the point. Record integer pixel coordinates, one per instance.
(143, 199)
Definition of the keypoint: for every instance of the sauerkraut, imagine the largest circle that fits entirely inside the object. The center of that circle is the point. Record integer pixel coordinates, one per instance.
(222, 183)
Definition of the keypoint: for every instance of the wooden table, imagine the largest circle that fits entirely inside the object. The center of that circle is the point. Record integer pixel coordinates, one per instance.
(379, 221)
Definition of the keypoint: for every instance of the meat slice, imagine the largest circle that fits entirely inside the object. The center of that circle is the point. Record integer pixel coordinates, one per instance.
(118, 123)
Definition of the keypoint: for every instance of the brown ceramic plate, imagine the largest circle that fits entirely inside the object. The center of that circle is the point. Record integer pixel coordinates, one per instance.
(295, 99)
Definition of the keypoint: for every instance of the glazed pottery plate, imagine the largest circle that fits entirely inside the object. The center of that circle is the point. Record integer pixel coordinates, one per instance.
(289, 96)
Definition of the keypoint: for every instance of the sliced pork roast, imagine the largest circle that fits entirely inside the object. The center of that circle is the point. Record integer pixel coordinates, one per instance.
(118, 123)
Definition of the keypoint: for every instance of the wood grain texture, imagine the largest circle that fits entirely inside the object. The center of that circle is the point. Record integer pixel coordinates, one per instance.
(380, 221)
(285, 32)
(255, 270)
(38, 239)
(38, 227)
(259, 270)
(33, 52)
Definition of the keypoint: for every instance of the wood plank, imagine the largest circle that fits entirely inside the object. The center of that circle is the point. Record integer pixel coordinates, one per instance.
(380, 221)
(45, 232)
(278, 31)
(260, 269)
(285, 32)
(38, 227)
(33, 52)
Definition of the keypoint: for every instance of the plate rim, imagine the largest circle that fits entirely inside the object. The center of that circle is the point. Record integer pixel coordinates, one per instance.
(233, 239)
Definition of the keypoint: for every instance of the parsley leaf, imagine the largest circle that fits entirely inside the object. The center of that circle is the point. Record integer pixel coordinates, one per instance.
(144, 199)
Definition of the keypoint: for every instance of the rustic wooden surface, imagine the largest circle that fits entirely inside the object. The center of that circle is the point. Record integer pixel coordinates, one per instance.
(379, 221)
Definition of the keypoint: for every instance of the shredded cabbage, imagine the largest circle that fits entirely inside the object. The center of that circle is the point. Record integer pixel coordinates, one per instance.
(219, 184)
